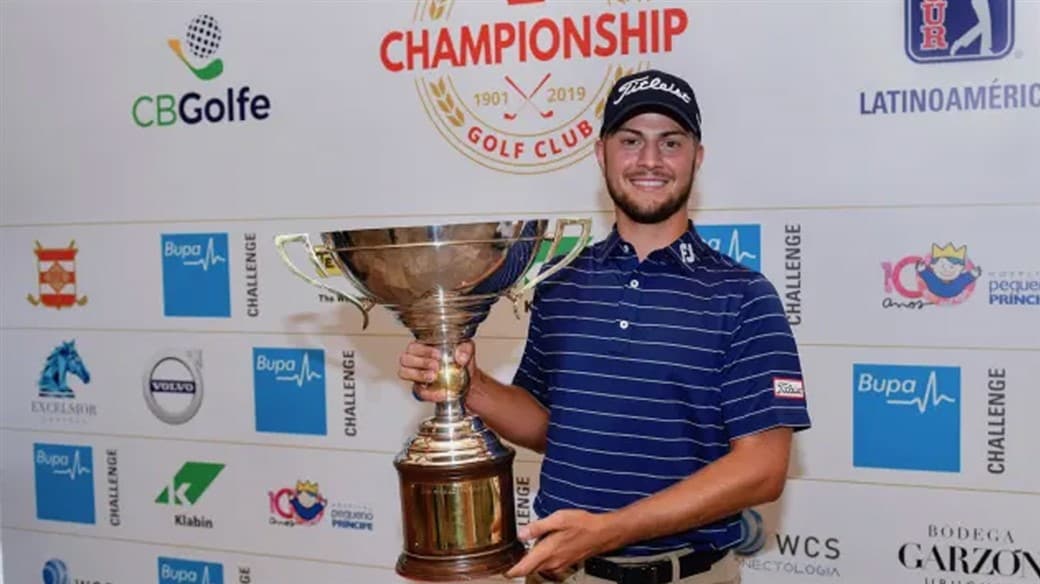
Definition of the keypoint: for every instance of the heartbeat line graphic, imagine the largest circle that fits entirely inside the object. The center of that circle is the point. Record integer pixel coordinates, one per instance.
(734, 249)
(931, 397)
(205, 576)
(75, 469)
(209, 259)
(305, 374)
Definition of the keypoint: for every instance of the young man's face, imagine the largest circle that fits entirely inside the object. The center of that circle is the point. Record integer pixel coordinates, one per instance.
(649, 164)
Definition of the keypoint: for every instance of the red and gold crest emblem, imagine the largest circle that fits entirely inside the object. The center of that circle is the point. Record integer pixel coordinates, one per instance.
(57, 277)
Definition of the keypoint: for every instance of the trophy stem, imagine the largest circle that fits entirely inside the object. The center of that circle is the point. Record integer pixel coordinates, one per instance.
(453, 380)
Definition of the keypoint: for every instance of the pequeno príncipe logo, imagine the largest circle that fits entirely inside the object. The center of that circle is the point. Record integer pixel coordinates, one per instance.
(519, 86)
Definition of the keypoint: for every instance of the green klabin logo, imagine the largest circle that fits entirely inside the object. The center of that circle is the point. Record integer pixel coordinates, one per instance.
(203, 40)
(190, 482)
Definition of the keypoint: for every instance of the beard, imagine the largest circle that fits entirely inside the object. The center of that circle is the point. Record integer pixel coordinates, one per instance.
(649, 213)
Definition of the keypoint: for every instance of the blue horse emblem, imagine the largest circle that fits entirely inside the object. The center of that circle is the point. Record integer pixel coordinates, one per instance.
(62, 361)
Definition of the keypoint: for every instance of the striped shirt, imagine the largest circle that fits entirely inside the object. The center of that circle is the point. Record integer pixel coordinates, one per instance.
(649, 370)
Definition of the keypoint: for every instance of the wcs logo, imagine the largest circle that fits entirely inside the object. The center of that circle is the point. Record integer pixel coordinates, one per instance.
(197, 50)
(959, 30)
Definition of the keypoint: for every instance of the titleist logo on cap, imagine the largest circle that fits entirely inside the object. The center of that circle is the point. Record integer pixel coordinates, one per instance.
(643, 83)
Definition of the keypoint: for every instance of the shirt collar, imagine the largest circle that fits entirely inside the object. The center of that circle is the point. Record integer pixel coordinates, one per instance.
(687, 249)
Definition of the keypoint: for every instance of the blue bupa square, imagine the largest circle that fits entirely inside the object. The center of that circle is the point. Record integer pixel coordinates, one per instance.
(906, 417)
(64, 482)
(742, 243)
(289, 389)
(196, 277)
(178, 571)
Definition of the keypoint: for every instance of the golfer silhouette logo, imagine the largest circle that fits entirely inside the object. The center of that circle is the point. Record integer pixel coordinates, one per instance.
(959, 30)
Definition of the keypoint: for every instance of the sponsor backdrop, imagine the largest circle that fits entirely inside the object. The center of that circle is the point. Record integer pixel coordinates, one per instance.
(177, 407)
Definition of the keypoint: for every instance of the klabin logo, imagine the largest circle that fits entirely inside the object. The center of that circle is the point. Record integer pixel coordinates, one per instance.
(56, 277)
(202, 40)
(543, 112)
(190, 482)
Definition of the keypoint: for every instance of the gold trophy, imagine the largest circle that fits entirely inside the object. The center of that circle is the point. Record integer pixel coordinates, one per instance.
(440, 281)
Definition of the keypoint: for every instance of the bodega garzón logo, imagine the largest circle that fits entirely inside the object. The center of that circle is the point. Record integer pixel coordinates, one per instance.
(519, 86)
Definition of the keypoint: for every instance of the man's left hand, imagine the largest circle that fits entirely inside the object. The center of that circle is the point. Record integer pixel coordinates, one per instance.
(565, 538)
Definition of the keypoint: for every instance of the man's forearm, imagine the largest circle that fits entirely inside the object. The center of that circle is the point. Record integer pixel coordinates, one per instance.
(509, 410)
(742, 478)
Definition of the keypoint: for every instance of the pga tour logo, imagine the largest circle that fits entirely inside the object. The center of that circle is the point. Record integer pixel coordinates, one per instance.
(959, 30)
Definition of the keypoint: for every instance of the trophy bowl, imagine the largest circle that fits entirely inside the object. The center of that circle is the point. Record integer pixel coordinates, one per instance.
(440, 281)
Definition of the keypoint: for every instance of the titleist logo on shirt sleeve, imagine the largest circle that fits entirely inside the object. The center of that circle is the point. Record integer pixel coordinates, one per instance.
(643, 83)
(788, 388)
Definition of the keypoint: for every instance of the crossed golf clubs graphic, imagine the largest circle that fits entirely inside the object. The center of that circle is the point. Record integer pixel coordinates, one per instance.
(527, 99)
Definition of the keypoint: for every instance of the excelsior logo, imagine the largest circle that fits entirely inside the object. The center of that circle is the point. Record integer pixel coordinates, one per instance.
(519, 86)
(202, 40)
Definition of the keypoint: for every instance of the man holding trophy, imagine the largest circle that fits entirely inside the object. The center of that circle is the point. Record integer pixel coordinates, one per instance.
(660, 379)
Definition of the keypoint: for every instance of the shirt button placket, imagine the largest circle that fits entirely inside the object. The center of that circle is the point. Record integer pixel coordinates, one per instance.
(629, 313)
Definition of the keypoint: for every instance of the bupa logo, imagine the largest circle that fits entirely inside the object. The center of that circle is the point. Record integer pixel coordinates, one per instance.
(196, 277)
(64, 482)
(178, 571)
(959, 30)
(289, 390)
(906, 417)
(742, 243)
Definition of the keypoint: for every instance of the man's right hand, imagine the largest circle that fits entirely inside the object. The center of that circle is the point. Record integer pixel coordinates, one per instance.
(420, 363)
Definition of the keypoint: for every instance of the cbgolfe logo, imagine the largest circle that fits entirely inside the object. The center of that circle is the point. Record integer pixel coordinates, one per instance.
(203, 40)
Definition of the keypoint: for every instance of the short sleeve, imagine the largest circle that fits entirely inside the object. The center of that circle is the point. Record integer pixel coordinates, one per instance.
(762, 385)
(529, 374)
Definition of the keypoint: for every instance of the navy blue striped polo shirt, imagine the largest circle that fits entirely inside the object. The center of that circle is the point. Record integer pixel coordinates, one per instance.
(649, 370)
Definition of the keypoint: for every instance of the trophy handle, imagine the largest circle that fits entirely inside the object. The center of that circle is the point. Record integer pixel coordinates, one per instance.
(517, 293)
(280, 241)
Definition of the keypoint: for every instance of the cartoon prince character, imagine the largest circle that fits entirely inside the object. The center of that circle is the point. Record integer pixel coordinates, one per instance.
(307, 502)
(946, 274)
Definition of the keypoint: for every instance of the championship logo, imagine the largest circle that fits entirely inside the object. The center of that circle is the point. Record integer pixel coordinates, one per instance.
(57, 277)
(519, 86)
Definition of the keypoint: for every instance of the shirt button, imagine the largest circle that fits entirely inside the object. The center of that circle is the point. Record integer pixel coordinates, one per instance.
(624, 248)
(634, 283)
(623, 324)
